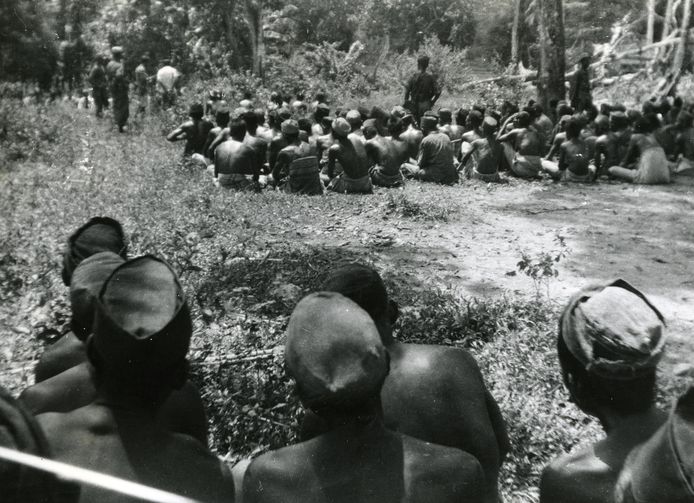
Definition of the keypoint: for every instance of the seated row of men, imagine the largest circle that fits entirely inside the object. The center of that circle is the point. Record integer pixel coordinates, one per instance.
(385, 421)
(357, 149)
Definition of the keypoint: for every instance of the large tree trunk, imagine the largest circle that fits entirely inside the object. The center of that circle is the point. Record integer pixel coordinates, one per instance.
(650, 24)
(514, 32)
(678, 60)
(254, 20)
(550, 23)
(228, 19)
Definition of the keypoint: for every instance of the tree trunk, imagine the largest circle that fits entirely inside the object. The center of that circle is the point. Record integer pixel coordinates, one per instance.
(254, 20)
(650, 25)
(550, 23)
(228, 19)
(514, 32)
(678, 60)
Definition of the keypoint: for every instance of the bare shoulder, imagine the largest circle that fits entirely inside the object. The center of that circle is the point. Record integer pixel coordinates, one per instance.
(579, 476)
(438, 468)
(273, 476)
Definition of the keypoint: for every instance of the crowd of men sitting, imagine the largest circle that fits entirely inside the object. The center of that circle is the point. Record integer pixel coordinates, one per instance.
(306, 148)
(385, 421)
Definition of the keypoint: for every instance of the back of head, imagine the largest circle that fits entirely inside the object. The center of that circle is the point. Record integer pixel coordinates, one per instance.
(305, 125)
(196, 111)
(523, 119)
(222, 117)
(259, 116)
(354, 119)
(564, 108)
(290, 129)
(461, 116)
(423, 62)
(369, 128)
(685, 119)
(662, 469)
(489, 126)
(618, 121)
(99, 234)
(537, 110)
(429, 123)
(322, 110)
(475, 119)
(445, 116)
(142, 326)
(643, 125)
(573, 128)
(87, 281)
(611, 339)
(335, 355)
(237, 129)
(251, 120)
(395, 126)
(341, 128)
(363, 285)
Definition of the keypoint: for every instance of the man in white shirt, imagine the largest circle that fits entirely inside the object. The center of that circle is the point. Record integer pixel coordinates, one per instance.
(168, 80)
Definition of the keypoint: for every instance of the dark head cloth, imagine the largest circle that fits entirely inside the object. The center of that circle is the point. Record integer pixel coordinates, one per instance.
(100, 234)
(613, 330)
(19, 484)
(429, 122)
(87, 281)
(142, 320)
(362, 284)
(662, 469)
(334, 353)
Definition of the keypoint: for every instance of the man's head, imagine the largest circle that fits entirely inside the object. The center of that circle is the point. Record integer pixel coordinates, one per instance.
(166, 62)
(423, 62)
(141, 332)
(354, 119)
(584, 60)
(305, 125)
(395, 127)
(364, 285)
(276, 98)
(251, 121)
(489, 126)
(144, 59)
(369, 129)
(685, 120)
(117, 52)
(474, 119)
(341, 128)
(618, 121)
(237, 129)
(429, 123)
(322, 111)
(610, 341)
(290, 130)
(321, 97)
(445, 116)
(538, 110)
(523, 120)
(222, 117)
(602, 124)
(196, 111)
(461, 116)
(573, 129)
(87, 281)
(563, 108)
(99, 234)
(336, 357)
(643, 125)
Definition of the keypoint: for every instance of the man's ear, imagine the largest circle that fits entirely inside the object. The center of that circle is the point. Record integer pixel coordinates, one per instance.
(393, 311)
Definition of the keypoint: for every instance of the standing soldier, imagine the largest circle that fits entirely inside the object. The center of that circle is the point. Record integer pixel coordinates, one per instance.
(97, 78)
(422, 90)
(118, 82)
(581, 98)
(142, 84)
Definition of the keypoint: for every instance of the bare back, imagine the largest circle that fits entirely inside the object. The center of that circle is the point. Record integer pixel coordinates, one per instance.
(350, 153)
(389, 153)
(370, 466)
(123, 444)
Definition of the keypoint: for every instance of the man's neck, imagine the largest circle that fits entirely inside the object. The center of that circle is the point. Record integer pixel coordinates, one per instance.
(617, 424)
(126, 402)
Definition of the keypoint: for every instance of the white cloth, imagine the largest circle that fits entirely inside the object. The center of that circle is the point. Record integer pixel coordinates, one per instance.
(167, 76)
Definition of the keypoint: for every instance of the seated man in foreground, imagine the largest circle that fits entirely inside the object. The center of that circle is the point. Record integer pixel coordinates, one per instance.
(661, 469)
(349, 151)
(434, 393)
(334, 353)
(182, 411)
(99, 234)
(138, 349)
(610, 341)
(435, 159)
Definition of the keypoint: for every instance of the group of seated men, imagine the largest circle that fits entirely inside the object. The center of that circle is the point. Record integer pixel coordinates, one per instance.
(302, 148)
(385, 421)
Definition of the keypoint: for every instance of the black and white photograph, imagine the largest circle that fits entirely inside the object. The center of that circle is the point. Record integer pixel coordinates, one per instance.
(346, 251)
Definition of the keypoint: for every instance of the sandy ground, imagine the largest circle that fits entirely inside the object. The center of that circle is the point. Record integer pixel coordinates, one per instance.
(642, 234)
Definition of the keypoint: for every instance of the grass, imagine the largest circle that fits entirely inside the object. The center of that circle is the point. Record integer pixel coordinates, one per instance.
(245, 260)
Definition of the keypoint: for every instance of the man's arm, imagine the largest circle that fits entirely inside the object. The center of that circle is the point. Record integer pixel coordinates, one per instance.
(510, 136)
(466, 157)
(221, 137)
(632, 152)
(180, 133)
(280, 164)
(563, 162)
(332, 157)
(372, 152)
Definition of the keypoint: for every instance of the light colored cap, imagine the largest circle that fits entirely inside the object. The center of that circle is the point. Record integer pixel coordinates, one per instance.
(341, 127)
(116, 49)
(613, 330)
(334, 352)
(290, 126)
